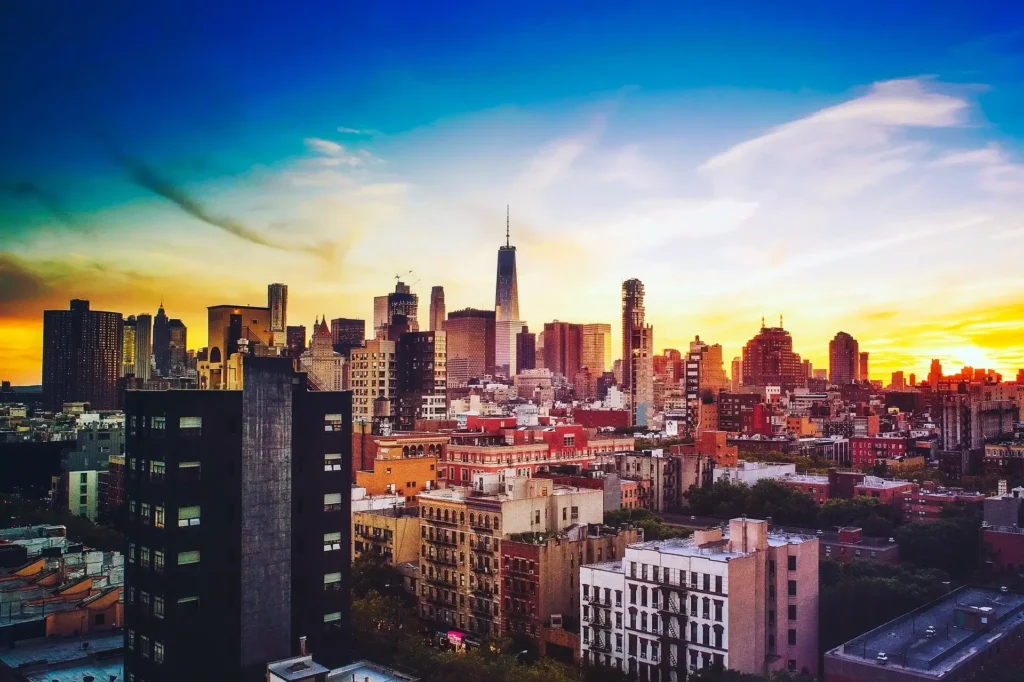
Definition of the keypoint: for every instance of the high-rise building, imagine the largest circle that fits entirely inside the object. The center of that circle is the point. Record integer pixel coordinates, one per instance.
(597, 348)
(373, 377)
(736, 377)
(422, 384)
(898, 383)
(128, 347)
(637, 352)
(82, 356)
(403, 302)
(843, 360)
(745, 599)
(437, 311)
(506, 294)
(226, 325)
(177, 347)
(277, 301)
(563, 348)
(863, 374)
(228, 508)
(471, 335)
(506, 351)
(296, 340)
(935, 373)
(143, 345)
(704, 377)
(526, 350)
(347, 334)
(324, 366)
(161, 343)
(769, 360)
(380, 317)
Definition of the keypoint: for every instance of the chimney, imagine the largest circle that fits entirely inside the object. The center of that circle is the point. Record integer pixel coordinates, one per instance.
(302, 646)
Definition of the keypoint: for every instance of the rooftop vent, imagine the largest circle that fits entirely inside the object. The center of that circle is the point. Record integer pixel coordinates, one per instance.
(882, 658)
(1004, 589)
(930, 632)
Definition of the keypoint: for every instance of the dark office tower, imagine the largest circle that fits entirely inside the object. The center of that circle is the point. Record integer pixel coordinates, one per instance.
(296, 341)
(470, 334)
(239, 516)
(769, 360)
(843, 359)
(277, 301)
(422, 381)
(161, 343)
(177, 347)
(81, 356)
(637, 352)
(437, 309)
(526, 350)
(128, 343)
(563, 348)
(506, 294)
(143, 345)
(403, 302)
(862, 367)
(347, 334)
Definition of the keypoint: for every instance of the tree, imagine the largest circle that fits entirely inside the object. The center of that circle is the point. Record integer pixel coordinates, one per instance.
(766, 498)
(863, 512)
(371, 573)
(951, 545)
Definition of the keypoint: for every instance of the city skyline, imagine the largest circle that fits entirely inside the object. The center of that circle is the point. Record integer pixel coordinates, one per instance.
(785, 177)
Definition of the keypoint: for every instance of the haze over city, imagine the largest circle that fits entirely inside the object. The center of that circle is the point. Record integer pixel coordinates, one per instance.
(848, 174)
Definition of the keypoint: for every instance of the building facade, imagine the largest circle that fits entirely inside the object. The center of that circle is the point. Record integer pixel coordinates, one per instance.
(506, 290)
(324, 366)
(347, 333)
(82, 356)
(373, 379)
(597, 348)
(422, 380)
(471, 336)
(769, 360)
(637, 352)
(277, 302)
(437, 309)
(843, 360)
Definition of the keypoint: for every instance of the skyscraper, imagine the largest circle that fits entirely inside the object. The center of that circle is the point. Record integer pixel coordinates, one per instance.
(324, 366)
(736, 377)
(597, 348)
(769, 360)
(505, 348)
(526, 350)
(403, 302)
(471, 336)
(862, 368)
(277, 301)
(161, 343)
(128, 348)
(843, 359)
(296, 340)
(422, 381)
(347, 334)
(226, 523)
(82, 352)
(143, 345)
(637, 352)
(563, 348)
(506, 294)
(437, 311)
(380, 317)
(177, 347)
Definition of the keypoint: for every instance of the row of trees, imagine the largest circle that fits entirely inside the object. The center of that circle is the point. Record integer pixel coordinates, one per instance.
(15, 511)
(654, 528)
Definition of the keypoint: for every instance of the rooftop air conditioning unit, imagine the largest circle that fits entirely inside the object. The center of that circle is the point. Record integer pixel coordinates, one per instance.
(930, 631)
(882, 658)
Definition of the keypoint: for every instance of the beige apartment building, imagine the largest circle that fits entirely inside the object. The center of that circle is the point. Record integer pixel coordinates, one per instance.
(373, 373)
(391, 533)
(461, 533)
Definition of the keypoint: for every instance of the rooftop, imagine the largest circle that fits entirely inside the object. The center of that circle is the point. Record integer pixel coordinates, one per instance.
(68, 659)
(297, 668)
(368, 672)
(806, 478)
(883, 483)
(908, 645)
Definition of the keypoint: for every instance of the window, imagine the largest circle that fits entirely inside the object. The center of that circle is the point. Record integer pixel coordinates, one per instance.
(332, 502)
(718, 611)
(718, 584)
(158, 652)
(332, 462)
(792, 637)
(158, 561)
(188, 516)
(144, 599)
(706, 610)
(158, 607)
(158, 423)
(332, 422)
(188, 558)
(792, 611)
(131, 639)
(158, 517)
(144, 645)
(157, 468)
(707, 582)
(332, 541)
(792, 588)
(131, 595)
(791, 565)
(131, 552)
(332, 617)
(791, 665)
(332, 582)
(144, 556)
(145, 512)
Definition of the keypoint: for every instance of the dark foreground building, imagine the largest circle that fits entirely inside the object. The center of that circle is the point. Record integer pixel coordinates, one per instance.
(233, 497)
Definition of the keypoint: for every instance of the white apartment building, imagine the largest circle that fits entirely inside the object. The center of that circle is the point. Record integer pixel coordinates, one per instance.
(744, 598)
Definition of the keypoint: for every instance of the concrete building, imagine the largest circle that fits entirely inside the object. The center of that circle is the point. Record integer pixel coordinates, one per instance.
(563, 348)
(506, 346)
(161, 343)
(969, 634)
(862, 367)
(536, 385)
(304, 669)
(752, 472)
(381, 319)
(596, 354)
(637, 353)
(82, 469)
(843, 360)
(347, 334)
(143, 346)
(82, 356)
(884, 490)
(437, 309)
(373, 379)
(403, 302)
(745, 598)
(462, 531)
(662, 471)
(324, 367)
(295, 343)
(177, 348)
(471, 337)
(229, 504)
(849, 544)
(397, 471)
(96, 656)
(392, 533)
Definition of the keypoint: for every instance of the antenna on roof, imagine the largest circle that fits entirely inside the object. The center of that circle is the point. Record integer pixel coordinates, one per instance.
(780, 320)
(508, 243)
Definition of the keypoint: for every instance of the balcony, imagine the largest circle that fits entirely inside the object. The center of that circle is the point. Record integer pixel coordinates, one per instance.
(438, 559)
(601, 622)
(440, 522)
(603, 645)
(437, 600)
(483, 570)
(441, 540)
(482, 548)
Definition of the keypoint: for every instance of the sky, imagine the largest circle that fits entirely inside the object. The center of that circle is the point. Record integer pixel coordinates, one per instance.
(855, 168)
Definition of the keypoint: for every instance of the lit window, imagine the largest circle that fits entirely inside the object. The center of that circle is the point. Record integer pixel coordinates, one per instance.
(157, 468)
(144, 556)
(332, 502)
(332, 541)
(191, 425)
(131, 552)
(332, 581)
(187, 558)
(158, 652)
(131, 639)
(159, 423)
(332, 422)
(158, 517)
(145, 511)
(332, 462)
(158, 607)
(158, 561)
(188, 516)
(144, 645)
(332, 617)
(144, 599)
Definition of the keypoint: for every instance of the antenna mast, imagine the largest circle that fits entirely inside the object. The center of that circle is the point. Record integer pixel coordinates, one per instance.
(508, 243)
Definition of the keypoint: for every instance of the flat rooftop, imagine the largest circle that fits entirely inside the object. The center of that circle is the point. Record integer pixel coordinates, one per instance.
(806, 478)
(64, 659)
(883, 483)
(717, 550)
(369, 672)
(908, 646)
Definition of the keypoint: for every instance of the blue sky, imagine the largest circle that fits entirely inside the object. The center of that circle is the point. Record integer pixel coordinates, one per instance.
(738, 149)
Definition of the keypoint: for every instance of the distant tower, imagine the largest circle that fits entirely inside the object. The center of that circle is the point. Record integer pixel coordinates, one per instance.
(863, 374)
(128, 347)
(161, 343)
(843, 359)
(143, 345)
(277, 301)
(506, 295)
(82, 356)
(437, 311)
(637, 352)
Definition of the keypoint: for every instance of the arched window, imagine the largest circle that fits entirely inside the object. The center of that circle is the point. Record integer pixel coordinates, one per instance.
(215, 354)
(419, 450)
(462, 517)
(405, 451)
(445, 514)
(471, 518)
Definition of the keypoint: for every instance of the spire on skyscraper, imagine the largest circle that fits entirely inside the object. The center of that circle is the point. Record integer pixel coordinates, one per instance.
(508, 240)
